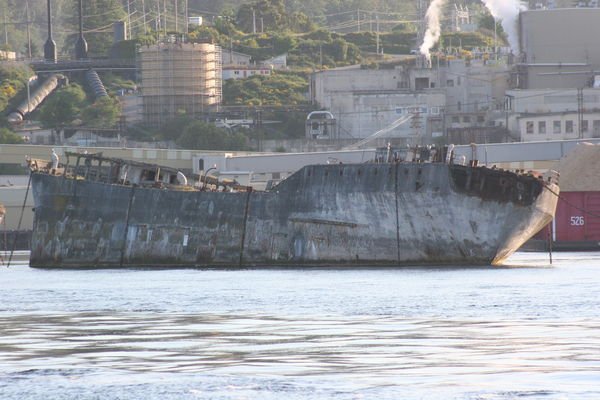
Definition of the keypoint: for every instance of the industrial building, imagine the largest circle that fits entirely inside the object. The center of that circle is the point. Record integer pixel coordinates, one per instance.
(365, 100)
(456, 96)
(555, 114)
(555, 84)
(179, 78)
(559, 48)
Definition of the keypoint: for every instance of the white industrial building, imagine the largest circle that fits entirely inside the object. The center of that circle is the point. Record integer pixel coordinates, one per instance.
(365, 101)
(244, 72)
(559, 126)
(556, 95)
(555, 114)
(457, 94)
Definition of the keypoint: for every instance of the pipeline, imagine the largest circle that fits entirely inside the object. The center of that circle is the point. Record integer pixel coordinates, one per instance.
(95, 83)
(35, 98)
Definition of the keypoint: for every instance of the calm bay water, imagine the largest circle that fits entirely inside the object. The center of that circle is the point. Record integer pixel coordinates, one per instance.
(527, 331)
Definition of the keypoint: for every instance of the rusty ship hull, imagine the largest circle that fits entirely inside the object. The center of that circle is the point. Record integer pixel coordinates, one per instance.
(323, 215)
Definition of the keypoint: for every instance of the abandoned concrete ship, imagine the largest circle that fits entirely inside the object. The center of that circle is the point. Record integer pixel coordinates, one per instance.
(105, 212)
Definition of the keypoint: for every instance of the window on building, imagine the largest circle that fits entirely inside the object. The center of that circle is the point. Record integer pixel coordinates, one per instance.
(569, 126)
(529, 127)
(466, 119)
(455, 119)
(480, 119)
(556, 127)
(542, 127)
(596, 127)
(450, 83)
(459, 106)
(585, 126)
(458, 81)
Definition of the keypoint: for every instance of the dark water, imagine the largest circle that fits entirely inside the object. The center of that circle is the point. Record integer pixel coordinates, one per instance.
(529, 331)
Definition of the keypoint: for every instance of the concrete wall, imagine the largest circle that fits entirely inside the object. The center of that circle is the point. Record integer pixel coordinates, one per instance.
(364, 101)
(560, 46)
(477, 86)
(535, 101)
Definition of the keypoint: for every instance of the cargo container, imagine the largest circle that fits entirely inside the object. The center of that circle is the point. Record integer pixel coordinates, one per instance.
(576, 225)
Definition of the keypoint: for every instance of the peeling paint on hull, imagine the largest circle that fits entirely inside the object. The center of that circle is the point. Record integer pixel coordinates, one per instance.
(323, 215)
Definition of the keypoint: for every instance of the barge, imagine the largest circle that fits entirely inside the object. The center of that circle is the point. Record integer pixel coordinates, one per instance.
(406, 207)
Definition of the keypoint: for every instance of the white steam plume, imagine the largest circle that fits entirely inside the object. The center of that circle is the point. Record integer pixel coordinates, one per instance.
(432, 34)
(508, 12)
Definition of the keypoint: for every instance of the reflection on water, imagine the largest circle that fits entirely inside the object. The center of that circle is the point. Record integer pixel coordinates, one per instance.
(528, 332)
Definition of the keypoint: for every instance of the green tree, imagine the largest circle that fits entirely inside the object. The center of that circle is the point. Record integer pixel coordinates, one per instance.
(9, 137)
(205, 136)
(62, 108)
(486, 22)
(174, 128)
(103, 113)
(283, 43)
(277, 89)
(266, 14)
(12, 81)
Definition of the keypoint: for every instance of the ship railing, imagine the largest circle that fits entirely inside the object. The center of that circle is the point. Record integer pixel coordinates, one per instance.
(97, 168)
(552, 176)
(44, 166)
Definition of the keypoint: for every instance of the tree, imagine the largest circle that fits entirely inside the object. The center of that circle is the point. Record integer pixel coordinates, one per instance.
(202, 135)
(62, 108)
(103, 113)
(9, 137)
(174, 128)
(265, 15)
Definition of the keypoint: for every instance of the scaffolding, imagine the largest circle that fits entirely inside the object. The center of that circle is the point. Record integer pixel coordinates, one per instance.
(179, 78)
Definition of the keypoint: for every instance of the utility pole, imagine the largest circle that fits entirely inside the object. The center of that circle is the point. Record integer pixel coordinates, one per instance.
(28, 29)
(128, 19)
(579, 112)
(165, 15)
(176, 14)
(495, 40)
(5, 29)
(358, 20)
(377, 25)
(253, 21)
(157, 20)
(144, 14)
(187, 20)
(321, 54)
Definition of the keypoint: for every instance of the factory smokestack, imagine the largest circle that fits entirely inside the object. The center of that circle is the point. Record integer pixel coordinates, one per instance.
(50, 45)
(81, 47)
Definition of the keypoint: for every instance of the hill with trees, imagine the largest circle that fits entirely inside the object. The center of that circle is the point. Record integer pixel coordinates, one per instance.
(315, 34)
